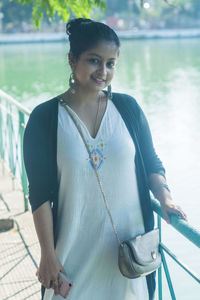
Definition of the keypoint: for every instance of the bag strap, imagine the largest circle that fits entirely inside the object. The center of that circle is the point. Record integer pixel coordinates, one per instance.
(63, 103)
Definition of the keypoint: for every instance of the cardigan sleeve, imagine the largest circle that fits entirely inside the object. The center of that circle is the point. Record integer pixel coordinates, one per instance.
(139, 130)
(151, 160)
(35, 147)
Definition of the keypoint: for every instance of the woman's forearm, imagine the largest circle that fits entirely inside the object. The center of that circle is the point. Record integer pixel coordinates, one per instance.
(43, 221)
(156, 184)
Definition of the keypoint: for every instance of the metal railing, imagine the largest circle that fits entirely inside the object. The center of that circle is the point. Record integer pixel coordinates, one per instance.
(189, 233)
(13, 117)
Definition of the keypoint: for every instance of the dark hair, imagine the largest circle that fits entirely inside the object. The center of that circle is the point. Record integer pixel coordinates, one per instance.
(85, 33)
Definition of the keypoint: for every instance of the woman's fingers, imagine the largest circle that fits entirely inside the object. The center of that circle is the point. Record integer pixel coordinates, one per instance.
(179, 212)
(48, 273)
(48, 284)
(166, 217)
(45, 282)
(55, 286)
(173, 209)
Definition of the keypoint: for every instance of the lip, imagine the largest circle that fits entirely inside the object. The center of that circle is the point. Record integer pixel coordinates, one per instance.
(102, 81)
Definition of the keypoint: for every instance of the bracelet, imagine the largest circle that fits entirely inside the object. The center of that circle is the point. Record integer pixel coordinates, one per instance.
(160, 186)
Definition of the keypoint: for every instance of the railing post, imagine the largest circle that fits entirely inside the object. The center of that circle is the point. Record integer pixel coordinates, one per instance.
(1, 135)
(10, 142)
(169, 282)
(160, 269)
(23, 171)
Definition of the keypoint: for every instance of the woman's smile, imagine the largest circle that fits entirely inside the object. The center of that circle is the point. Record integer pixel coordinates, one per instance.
(99, 81)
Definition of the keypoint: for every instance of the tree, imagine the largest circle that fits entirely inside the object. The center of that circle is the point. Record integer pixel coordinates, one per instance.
(170, 13)
(62, 8)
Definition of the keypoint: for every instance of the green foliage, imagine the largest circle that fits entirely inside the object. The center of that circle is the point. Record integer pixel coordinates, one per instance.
(18, 14)
(63, 8)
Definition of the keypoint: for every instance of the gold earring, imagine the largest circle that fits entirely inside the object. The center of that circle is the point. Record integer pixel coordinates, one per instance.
(72, 83)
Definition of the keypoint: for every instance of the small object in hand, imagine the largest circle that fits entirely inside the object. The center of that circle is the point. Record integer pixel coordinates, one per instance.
(64, 285)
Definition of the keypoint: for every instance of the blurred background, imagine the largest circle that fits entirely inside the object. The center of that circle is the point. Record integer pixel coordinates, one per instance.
(159, 65)
(121, 15)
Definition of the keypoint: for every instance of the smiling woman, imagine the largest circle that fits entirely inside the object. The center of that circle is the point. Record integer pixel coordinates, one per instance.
(70, 217)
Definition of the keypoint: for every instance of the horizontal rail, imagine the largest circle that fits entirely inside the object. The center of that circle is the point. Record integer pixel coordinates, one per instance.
(180, 225)
(19, 106)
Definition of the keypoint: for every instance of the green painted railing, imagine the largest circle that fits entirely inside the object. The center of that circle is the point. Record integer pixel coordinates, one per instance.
(189, 233)
(13, 118)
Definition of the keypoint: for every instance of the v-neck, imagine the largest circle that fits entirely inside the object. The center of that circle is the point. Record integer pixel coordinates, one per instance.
(83, 124)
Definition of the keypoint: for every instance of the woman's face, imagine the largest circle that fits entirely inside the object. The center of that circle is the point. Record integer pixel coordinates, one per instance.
(95, 67)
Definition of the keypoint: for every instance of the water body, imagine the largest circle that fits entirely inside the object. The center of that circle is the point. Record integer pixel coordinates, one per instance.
(164, 77)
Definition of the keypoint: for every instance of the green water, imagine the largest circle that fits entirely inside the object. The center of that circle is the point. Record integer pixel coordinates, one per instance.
(164, 76)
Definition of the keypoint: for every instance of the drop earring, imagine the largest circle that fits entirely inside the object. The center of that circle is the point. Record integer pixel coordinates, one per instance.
(72, 83)
(109, 89)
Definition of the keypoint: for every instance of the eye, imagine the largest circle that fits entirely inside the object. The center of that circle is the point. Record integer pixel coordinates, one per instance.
(111, 64)
(94, 61)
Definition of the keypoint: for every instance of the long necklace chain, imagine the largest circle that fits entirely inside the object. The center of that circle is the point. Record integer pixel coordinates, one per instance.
(96, 119)
(95, 125)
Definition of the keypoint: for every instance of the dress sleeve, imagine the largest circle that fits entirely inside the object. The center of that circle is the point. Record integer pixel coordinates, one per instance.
(151, 160)
(35, 147)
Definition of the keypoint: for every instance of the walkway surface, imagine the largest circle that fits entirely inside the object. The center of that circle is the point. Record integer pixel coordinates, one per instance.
(19, 248)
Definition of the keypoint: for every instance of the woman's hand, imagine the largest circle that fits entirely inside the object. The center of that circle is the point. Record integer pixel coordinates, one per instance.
(48, 271)
(168, 207)
(160, 190)
(50, 266)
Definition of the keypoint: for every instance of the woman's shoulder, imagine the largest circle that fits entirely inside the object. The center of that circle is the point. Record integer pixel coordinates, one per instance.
(124, 96)
(125, 101)
(45, 106)
(43, 110)
(44, 115)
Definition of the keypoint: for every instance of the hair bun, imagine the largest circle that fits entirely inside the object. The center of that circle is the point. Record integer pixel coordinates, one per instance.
(83, 34)
(73, 25)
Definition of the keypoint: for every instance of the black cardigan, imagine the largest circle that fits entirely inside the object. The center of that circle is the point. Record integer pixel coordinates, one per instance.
(40, 158)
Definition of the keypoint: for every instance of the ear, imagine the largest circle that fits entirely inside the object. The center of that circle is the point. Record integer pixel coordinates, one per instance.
(71, 60)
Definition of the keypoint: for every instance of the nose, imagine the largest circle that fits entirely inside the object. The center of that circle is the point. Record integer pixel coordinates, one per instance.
(102, 71)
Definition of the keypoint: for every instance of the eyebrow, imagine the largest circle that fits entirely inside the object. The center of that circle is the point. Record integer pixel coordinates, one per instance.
(94, 54)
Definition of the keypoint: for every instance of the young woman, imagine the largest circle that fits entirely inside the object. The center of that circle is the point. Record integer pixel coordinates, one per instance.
(71, 220)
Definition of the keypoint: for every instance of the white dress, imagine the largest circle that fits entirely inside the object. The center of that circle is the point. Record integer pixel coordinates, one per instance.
(87, 246)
